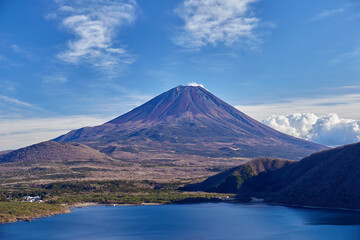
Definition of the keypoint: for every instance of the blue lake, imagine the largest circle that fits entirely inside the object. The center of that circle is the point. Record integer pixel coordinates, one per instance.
(191, 221)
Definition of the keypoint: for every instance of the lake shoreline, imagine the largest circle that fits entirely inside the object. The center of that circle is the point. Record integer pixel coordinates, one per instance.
(68, 208)
(12, 212)
(90, 204)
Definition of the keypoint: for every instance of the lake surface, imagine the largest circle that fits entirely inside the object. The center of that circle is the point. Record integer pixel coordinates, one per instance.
(192, 221)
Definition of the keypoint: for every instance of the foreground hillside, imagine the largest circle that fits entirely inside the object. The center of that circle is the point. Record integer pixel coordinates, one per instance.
(189, 121)
(326, 179)
(231, 180)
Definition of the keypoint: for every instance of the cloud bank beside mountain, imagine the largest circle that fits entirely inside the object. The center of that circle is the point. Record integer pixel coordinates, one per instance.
(330, 130)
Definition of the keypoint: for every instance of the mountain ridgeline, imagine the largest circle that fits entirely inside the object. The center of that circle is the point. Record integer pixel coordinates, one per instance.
(231, 180)
(189, 120)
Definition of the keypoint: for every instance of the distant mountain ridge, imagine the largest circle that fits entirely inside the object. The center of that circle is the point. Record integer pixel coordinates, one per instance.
(189, 120)
(50, 151)
(51, 161)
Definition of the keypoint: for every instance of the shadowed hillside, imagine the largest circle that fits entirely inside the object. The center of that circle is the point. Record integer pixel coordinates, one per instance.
(231, 180)
(326, 179)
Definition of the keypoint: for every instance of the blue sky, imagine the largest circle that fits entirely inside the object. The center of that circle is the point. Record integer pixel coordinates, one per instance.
(66, 64)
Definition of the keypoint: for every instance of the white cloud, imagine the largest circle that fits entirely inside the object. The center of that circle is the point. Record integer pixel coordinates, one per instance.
(297, 125)
(50, 16)
(350, 58)
(330, 130)
(194, 84)
(55, 79)
(8, 86)
(16, 102)
(66, 8)
(15, 47)
(354, 53)
(22, 52)
(16, 133)
(121, 105)
(327, 13)
(95, 24)
(210, 22)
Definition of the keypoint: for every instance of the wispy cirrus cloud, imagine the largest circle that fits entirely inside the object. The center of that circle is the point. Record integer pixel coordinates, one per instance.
(16, 133)
(8, 86)
(121, 105)
(19, 127)
(327, 13)
(55, 79)
(17, 102)
(22, 52)
(95, 24)
(354, 53)
(351, 58)
(210, 22)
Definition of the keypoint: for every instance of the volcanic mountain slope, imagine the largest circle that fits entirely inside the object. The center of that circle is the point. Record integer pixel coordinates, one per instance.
(231, 180)
(325, 179)
(189, 120)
